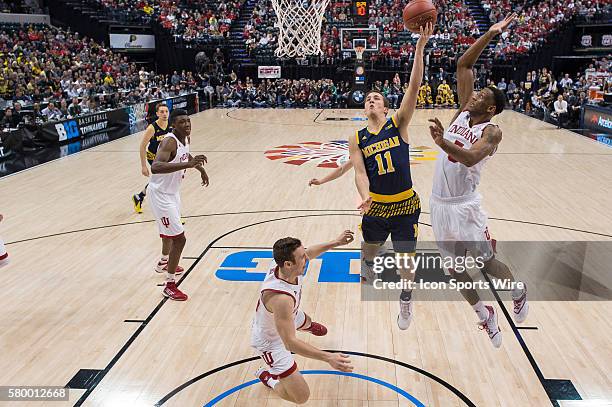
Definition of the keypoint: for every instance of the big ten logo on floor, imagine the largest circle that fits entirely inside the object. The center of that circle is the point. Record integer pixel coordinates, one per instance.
(334, 267)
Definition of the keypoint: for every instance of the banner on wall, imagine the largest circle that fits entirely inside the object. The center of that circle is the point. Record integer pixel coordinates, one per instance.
(113, 121)
(268, 72)
(132, 42)
(118, 122)
(597, 119)
(186, 102)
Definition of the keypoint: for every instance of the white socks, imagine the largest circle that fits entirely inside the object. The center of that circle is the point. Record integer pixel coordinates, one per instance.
(481, 311)
(169, 277)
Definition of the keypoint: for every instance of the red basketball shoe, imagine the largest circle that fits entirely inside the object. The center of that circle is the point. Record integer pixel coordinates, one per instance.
(171, 291)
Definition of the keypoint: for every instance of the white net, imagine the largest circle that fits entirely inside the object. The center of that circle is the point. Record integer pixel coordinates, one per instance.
(299, 24)
(359, 52)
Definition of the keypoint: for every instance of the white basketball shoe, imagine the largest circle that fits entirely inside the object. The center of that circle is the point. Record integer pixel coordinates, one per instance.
(490, 325)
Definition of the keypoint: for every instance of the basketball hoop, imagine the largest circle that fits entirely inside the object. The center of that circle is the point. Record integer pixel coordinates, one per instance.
(299, 24)
(359, 51)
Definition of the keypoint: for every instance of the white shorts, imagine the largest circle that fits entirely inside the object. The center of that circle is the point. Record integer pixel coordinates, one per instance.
(167, 211)
(460, 224)
(280, 361)
(4, 259)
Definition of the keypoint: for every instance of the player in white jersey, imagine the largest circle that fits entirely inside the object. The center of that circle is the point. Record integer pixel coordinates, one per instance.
(457, 219)
(4, 259)
(168, 170)
(277, 317)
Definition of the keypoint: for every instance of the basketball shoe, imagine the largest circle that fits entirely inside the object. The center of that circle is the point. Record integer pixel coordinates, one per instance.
(316, 329)
(162, 267)
(490, 325)
(521, 306)
(137, 200)
(404, 317)
(171, 291)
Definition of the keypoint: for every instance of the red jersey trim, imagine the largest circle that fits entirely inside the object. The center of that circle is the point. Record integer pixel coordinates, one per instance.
(277, 292)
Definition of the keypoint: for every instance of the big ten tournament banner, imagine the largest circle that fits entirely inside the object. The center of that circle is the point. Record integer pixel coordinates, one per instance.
(112, 121)
(189, 102)
(268, 72)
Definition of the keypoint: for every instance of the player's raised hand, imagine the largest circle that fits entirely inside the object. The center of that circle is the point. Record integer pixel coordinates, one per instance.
(500, 26)
(425, 33)
(437, 131)
(314, 181)
(345, 237)
(365, 205)
(340, 361)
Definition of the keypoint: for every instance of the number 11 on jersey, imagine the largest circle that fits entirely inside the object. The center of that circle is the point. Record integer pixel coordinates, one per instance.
(381, 167)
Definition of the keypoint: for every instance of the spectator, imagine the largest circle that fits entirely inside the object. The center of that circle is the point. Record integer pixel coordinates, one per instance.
(17, 112)
(561, 111)
(75, 109)
(502, 85)
(566, 82)
(9, 120)
(51, 113)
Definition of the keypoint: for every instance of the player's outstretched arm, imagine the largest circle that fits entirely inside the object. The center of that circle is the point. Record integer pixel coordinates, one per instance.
(406, 109)
(337, 173)
(345, 237)
(164, 152)
(282, 307)
(361, 176)
(146, 138)
(491, 137)
(465, 64)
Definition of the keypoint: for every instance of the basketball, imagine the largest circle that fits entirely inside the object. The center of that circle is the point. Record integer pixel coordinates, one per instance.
(418, 13)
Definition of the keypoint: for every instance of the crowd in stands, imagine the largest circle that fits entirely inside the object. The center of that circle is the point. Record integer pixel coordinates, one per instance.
(228, 91)
(20, 6)
(559, 98)
(456, 30)
(48, 74)
(189, 21)
(538, 22)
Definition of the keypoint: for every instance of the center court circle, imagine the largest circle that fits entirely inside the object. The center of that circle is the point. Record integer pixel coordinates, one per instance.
(399, 391)
(466, 401)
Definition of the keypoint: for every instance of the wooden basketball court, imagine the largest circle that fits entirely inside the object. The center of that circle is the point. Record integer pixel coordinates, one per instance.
(82, 303)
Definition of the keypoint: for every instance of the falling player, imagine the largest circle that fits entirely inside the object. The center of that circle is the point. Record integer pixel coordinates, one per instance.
(149, 144)
(458, 221)
(171, 163)
(380, 154)
(4, 258)
(278, 316)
